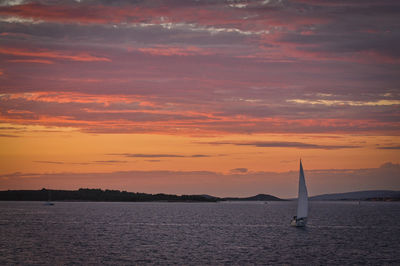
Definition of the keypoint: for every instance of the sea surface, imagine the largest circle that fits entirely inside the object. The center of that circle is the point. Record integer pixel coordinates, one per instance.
(235, 233)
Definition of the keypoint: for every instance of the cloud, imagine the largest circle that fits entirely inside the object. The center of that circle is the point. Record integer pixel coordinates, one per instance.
(142, 155)
(11, 2)
(11, 128)
(281, 144)
(199, 156)
(83, 163)
(137, 113)
(239, 171)
(83, 57)
(351, 103)
(110, 162)
(212, 16)
(38, 61)
(49, 162)
(390, 165)
(171, 51)
(190, 67)
(8, 136)
(389, 148)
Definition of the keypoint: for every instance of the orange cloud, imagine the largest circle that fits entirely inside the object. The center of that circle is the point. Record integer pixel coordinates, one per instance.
(170, 51)
(82, 57)
(144, 114)
(75, 97)
(39, 61)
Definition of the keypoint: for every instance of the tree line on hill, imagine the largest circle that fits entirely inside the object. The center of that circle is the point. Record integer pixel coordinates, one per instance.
(86, 194)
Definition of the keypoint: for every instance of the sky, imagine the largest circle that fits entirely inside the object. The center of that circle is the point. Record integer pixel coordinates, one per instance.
(200, 97)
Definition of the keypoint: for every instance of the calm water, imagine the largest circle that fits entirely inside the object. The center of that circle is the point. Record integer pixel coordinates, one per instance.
(198, 233)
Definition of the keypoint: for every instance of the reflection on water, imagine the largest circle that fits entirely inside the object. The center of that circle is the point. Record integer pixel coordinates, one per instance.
(198, 233)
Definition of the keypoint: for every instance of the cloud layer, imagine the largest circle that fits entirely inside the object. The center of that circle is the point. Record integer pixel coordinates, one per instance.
(283, 144)
(190, 67)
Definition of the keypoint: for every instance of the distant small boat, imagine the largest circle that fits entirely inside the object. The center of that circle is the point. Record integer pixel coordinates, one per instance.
(48, 202)
(300, 219)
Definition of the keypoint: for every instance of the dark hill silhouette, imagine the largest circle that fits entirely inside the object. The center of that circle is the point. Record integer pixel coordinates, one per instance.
(85, 194)
(259, 197)
(377, 195)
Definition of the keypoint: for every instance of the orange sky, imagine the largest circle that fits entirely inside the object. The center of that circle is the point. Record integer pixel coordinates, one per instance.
(50, 150)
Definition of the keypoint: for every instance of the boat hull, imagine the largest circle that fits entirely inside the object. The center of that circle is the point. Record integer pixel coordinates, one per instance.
(299, 222)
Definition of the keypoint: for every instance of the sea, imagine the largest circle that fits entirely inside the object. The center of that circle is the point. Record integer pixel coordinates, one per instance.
(224, 233)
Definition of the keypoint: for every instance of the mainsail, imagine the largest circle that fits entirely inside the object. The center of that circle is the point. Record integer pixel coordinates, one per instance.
(302, 204)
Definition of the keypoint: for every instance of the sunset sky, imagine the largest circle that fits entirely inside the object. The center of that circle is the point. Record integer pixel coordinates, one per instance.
(200, 97)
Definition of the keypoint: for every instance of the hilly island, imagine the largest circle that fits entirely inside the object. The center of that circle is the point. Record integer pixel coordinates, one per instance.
(99, 195)
(86, 194)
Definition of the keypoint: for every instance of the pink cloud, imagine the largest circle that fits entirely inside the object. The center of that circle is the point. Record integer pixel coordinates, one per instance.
(214, 15)
(138, 114)
(199, 68)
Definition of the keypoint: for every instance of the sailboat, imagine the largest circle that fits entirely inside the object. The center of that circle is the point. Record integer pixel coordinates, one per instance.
(300, 219)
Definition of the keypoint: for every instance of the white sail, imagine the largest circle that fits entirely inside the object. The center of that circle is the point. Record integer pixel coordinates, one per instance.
(302, 203)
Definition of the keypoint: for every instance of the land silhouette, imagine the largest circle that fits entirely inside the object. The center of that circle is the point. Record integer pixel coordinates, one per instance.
(86, 194)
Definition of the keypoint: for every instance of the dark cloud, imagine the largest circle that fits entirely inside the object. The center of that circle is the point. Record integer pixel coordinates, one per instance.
(141, 155)
(239, 171)
(280, 144)
(389, 148)
(390, 165)
(12, 128)
(49, 162)
(82, 163)
(133, 36)
(199, 156)
(352, 27)
(110, 161)
(8, 136)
